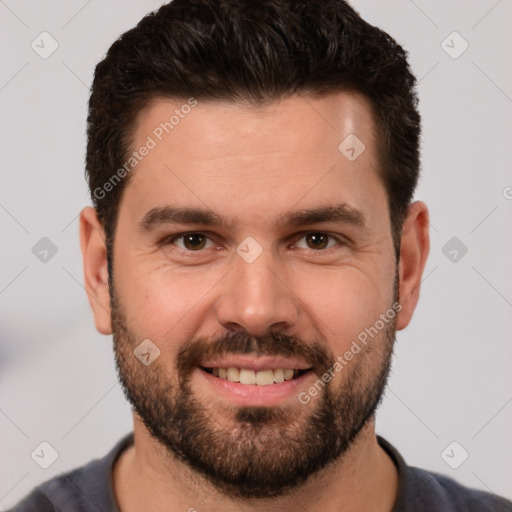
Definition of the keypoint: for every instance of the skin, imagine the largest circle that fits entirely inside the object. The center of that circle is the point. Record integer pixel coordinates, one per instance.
(252, 165)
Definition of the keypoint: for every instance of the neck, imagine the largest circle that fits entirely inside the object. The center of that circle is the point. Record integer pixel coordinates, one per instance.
(147, 478)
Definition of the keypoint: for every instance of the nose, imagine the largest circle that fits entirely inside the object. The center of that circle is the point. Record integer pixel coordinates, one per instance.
(255, 297)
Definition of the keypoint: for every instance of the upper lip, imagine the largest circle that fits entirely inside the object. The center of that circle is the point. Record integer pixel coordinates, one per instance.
(261, 363)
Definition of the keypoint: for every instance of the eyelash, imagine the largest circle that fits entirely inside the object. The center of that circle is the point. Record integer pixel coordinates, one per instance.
(170, 241)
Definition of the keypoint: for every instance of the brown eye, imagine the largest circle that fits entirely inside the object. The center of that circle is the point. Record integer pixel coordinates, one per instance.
(192, 242)
(317, 240)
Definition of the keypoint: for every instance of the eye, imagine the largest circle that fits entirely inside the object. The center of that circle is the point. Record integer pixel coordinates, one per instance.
(193, 242)
(318, 240)
(196, 242)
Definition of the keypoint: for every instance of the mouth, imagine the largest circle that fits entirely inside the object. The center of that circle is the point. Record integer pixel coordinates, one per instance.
(248, 376)
(249, 383)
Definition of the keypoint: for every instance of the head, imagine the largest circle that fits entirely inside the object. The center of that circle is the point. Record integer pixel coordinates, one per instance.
(252, 166)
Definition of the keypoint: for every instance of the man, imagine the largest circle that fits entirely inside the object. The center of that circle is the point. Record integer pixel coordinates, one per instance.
(253, 248)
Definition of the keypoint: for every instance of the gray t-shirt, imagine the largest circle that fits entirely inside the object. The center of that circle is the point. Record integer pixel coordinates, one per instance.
(90, 489)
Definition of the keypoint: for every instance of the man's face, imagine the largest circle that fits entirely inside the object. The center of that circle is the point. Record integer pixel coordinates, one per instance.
(254, 282)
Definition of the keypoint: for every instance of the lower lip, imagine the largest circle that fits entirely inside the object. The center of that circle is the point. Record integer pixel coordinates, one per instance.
(253, 394)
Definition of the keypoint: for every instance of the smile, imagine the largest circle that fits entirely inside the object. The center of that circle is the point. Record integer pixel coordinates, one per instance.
(263, 377)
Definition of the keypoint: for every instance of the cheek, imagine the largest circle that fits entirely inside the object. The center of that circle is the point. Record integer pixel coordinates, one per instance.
(159, 301)
(344, 302)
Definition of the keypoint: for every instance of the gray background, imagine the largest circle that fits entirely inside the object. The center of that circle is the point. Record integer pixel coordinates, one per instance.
(451, 374)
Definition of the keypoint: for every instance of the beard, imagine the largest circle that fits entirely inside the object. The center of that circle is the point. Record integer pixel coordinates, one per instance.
(253, 452)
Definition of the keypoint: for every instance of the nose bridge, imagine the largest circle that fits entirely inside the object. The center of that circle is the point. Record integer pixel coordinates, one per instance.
(255, 296)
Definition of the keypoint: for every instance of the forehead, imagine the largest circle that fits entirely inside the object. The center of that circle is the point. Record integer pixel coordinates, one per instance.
(232, 156)
(299, 123)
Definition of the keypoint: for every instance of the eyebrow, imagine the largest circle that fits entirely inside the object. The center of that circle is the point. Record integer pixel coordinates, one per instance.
(168, 214)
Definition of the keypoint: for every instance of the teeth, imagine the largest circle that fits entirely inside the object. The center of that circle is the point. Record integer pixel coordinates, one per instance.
(288, 374)
(247, 376)
(234, 374)
(279, 375)
(264, 377)
(261, 378)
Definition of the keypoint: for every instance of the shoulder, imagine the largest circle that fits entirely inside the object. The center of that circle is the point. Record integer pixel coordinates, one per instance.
(424, 491)
(85, 489)
(63, 492)
(36, 501)
(429, 489)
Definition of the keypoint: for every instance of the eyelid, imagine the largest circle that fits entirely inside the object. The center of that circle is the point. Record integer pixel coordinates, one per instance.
(341, 241)
(170, 240)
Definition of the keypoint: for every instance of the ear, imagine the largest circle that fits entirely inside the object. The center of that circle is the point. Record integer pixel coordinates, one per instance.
(414, 249)
(94, 255)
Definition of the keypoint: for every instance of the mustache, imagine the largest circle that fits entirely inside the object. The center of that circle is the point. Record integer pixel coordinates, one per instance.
(315, 353)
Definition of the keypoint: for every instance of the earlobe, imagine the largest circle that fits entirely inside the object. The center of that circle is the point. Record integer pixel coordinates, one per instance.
(94, 256)
(414, 249)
